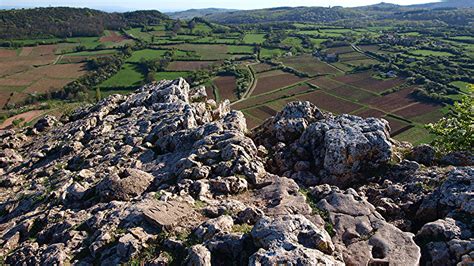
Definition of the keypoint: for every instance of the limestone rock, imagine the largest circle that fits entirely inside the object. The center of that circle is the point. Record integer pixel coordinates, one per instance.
(361, 233)
(336, 148)
(291, 239)
(214, 226)
(124, 185)
(198, 255)
(424, 154)
(165, 170)
(168, 214)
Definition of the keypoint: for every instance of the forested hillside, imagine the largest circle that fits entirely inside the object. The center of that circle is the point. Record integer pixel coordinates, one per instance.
(69, 22)
(364, 14)
(192, 13)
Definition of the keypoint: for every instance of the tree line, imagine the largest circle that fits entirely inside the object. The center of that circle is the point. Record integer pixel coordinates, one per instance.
(65, 22)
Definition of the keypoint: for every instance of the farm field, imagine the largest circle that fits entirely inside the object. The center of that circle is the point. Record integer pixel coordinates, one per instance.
(204, 51)
(309, 64)
(32, 70)
(191, 65)
(365, 80)
(257, 38)
(363, 71)
(225, 87)
(128, 76)
(171, 75)
(262, 67)
(274, 79)
(422, 52)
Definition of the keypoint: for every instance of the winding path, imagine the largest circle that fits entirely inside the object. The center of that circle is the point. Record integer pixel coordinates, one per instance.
(252, 86)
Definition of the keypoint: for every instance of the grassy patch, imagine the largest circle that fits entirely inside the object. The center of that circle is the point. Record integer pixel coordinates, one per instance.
(258, 38)
(146, 54)
(92, 53)
(242, 228)
(240, 49)
(129, 75)
(423, 52)
(462, 86)
(171, 75)
(416, 135)
(271, 53)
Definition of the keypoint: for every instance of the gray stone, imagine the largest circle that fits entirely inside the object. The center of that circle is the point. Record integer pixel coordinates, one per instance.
(198, 255)
(125, 185)
(424, 154)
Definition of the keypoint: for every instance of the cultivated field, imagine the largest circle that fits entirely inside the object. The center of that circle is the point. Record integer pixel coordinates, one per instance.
(274, 79)
(226, 86)
(29, 70)
(309, 64)
(191, 65)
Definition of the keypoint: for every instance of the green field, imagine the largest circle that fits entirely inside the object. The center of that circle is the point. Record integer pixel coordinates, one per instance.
(317, 41)
(416, 135)
(146, 54)
(137, 33)
(171, 75)
(270, 52)
(463, 38)
(37, 41)
(292, 41)
(240, 49)
(92, 53)
(422, 52)
(257, 38)
(128, 76)
(88, 42)
(462, 86)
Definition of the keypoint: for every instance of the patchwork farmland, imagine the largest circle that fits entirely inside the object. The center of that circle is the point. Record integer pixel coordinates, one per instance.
(266, 71)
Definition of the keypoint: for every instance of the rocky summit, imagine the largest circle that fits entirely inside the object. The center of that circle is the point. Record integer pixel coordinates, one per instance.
(167, 176)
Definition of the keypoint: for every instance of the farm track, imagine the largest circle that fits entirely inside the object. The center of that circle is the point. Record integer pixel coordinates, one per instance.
(357, 49)
(253, 84)
(57, 59)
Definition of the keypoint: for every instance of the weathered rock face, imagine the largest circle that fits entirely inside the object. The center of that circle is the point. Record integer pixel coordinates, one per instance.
(166, 175)
(361, 234)
(314, 148)
(292, 239)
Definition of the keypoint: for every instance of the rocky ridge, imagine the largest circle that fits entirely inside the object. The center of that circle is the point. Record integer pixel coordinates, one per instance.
(167, 176)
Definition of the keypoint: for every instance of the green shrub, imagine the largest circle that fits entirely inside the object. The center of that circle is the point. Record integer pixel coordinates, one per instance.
(18, 121)
(455, 131)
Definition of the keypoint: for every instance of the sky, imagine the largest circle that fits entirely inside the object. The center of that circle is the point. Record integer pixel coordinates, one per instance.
(177, 5)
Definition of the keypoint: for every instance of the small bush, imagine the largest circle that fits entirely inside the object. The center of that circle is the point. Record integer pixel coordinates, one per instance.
(455, 132)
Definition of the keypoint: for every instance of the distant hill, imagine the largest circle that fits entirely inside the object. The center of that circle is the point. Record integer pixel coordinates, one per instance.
(447, 4)
(69, 22)
(192, 13)
(285, 14)
(382, 11)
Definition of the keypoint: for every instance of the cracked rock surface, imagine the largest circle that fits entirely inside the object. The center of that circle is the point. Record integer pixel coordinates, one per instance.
(166, 176)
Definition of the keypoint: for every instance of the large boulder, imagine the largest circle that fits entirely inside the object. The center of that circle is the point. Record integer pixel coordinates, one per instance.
(124, 185)
(323, 149)
(291, 239)
(453, 198)
(446, 242)
(361, 234)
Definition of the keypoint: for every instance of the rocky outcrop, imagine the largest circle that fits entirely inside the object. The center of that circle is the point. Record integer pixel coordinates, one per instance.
(314, 148)
(360, 233)
(292, 239)
(166, 175)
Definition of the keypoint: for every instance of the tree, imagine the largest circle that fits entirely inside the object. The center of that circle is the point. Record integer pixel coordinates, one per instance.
(176, 27)
(98, 94)
(455, 132)
(80, 48)
(150, 77)
(191, 26)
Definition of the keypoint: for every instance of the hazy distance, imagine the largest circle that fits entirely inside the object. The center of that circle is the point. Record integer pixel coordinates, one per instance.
(178, 5)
